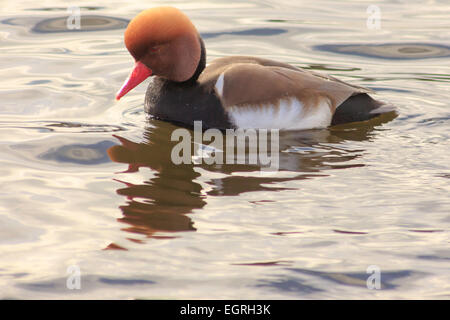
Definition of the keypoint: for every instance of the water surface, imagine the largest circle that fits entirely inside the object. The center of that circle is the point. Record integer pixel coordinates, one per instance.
(88, 181)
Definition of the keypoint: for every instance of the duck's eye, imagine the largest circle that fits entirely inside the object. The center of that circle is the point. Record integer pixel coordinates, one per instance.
(154, 49)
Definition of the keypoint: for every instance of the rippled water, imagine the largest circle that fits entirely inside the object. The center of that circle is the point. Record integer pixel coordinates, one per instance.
(88, 181)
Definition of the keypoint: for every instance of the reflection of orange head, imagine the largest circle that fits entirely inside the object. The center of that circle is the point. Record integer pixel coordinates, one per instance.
(122, 153)
(156, 26)
(119, 154)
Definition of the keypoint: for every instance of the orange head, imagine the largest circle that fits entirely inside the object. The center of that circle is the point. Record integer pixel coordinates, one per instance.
(164, 42)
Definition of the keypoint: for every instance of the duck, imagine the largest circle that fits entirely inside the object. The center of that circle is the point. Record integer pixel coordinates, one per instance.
(231, 92)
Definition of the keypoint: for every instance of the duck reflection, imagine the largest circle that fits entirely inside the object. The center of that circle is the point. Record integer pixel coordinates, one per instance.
(160, 204)
(163, 203)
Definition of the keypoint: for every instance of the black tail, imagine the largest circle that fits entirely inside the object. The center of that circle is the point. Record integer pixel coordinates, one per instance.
(360, 107)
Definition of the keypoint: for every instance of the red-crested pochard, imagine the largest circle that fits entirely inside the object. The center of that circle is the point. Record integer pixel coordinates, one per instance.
(231, 92)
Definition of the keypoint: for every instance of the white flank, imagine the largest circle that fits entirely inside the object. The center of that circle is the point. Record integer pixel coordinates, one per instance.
(290, 115)
(219, 84)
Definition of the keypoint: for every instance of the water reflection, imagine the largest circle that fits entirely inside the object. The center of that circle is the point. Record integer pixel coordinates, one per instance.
(162, 203)
(59, 24)
(86, 154)
(247, 32)
(390, 50)
(296, 282)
